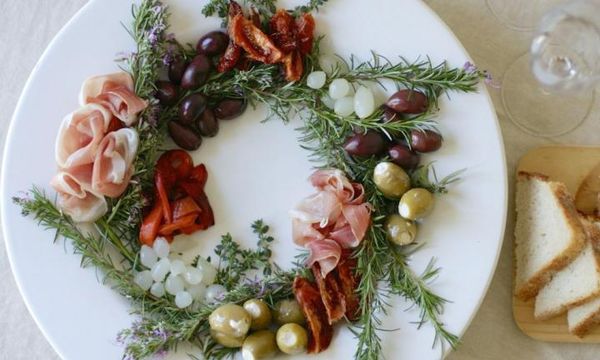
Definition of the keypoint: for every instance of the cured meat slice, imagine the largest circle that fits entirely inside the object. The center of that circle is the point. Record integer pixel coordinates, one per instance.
(80, 135)
(116, 93)
(113, 164)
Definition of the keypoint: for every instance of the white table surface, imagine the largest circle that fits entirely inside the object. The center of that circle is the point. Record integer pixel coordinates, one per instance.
(28, 26)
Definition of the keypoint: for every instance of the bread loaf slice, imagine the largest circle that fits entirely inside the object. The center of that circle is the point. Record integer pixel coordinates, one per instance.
(576, 284)
(584, 317)
(548, 232)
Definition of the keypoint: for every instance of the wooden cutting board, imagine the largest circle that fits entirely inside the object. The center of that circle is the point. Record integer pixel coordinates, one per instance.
(570, 165)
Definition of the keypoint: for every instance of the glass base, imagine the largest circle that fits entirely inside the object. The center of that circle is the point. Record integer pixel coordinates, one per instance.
(520, 15)
(537, 111)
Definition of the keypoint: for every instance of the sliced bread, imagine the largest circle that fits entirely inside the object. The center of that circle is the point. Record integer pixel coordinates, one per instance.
(576, 284)
(584, 317)
(548, 232)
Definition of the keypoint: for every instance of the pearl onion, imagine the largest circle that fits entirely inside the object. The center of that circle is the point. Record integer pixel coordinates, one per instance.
(160, 269)
(339, 88)
(157, 289)
(214, 293)
(143, 279)
(344, 106)
(209, 272)
(364, 102)
(192, 275)
(174, 284)
(177, 267)
(316, 79)
(162, 247)
(183, 299)
(328, 101)
(148, 256)
(198, 292)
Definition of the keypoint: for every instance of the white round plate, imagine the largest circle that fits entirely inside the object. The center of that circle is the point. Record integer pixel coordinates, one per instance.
(255, 171)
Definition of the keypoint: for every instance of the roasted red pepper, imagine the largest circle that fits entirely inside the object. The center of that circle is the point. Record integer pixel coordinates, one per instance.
(181, 206)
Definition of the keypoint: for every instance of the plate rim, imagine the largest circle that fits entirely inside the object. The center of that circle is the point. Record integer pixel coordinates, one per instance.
(84, 9)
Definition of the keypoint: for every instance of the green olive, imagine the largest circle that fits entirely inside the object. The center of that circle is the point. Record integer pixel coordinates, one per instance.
(227, 341)
(230, 320)
(259, 312)
(391, 179)
(288, 311)
(399, 230)
(415, 204)
(259, 345)
(292, 339)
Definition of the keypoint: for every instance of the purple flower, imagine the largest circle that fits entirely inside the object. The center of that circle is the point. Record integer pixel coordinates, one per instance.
(158, 8)
(469, 67)
(490, 81)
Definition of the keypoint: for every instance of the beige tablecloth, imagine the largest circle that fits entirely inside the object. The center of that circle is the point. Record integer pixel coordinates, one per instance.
(28, 26)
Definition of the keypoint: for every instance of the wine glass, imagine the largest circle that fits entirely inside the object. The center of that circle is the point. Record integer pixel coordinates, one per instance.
(549, 91)
(520, 15)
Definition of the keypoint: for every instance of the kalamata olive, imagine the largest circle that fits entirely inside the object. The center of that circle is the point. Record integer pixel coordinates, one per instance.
(415, 204)
(230, 320)
(226, 340)
(176, 69)
(288, 311)
(166, 92)
(390, 115)
(184, 137)
(292, 339)
(408, 102)
(391, 179)
(401, 155)
(259, 345)
(260, 313)
(230, 108)
(399, 230)
(191, 107)
(365, 144)
(208, 124)
(425, 140)
(196, 73)
(213, 43)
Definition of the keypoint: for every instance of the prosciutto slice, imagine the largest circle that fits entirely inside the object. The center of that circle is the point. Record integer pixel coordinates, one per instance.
(116, 93)
(80, 135)
(335, 217)
(322, 208)
(326, 252)
(81, 205)
(113, 163)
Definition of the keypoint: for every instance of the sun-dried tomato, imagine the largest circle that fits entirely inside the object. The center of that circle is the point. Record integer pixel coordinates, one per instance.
(320, 332)
(331, 294)
(233, 53)
(255, 17)
(305, 27)
(256, 43)
(283, 31)
(293, 66)
(348, 283)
